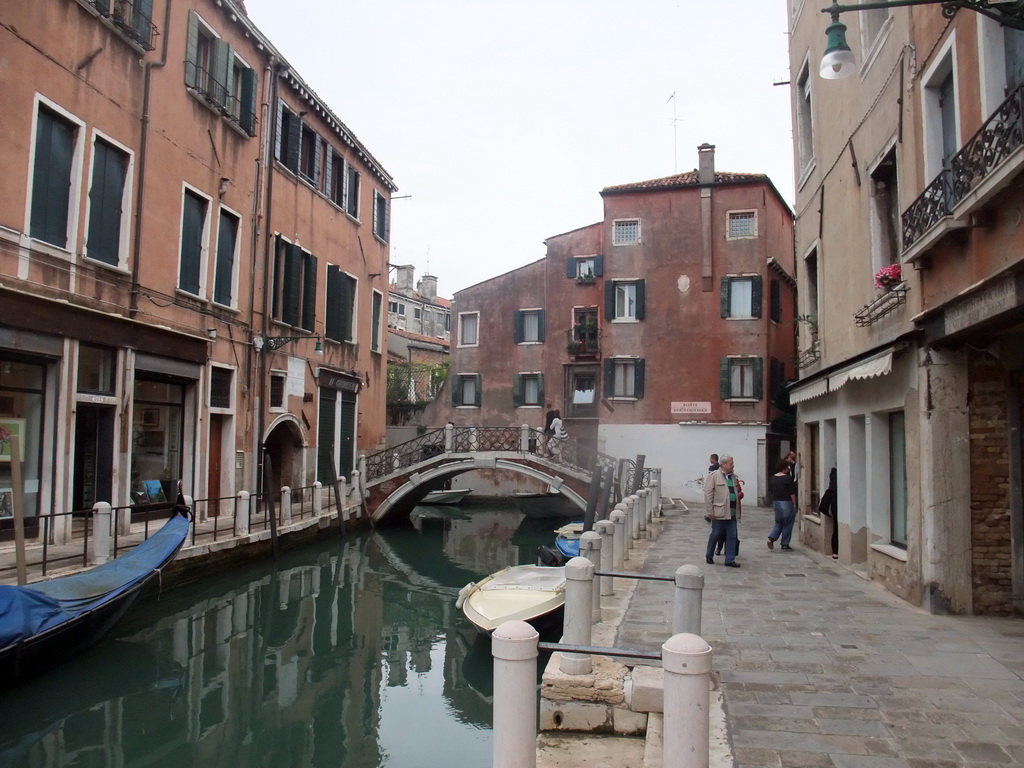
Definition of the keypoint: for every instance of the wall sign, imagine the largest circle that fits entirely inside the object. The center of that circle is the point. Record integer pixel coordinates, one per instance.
(684, 409)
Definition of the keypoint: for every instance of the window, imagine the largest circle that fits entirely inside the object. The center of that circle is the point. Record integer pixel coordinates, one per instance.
(341, 305)
(741, 297)
(193, 242)
(898, 479)
(467, 390)
(742, 224)
(227, 248)
(375, 319)
(215, 73)
(885, 219)
(468, 329)
(352, 192)
(53, 181)
(624, 300)
(871, 23)
(133, 19)
(1013, 49)
(624, 377)
(776, 301)
(294, 297)
(97, 371)
(309, 156)
(108, 198)
(804, 119)
(625, 231)
(277, 382)
(581, 394)
(583, 337)
(527, 389)
(334, 174)
(396, 307)
(417, 313)
(529, 326)
(287, 143)
(741, 378)
(221, 387)
(381, 216)
(584, 269)
(941, 136)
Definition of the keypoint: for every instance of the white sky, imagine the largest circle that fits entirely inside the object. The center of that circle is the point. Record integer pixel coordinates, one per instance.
(504, 120)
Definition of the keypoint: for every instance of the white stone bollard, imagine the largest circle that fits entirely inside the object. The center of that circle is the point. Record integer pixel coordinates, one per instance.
(634, 519)
(286, 505)
(396, 462)
(356, 481)
(341, 498)
(590, 548)
(689, 600)
(579, 581)
(514, 648)
(607, 531)
(524, 438)
(686, 660)
(618, 518)
(242, 513)
(318, 498)
(449, 437)
(641, 512)
(100, 532)
(649, 504)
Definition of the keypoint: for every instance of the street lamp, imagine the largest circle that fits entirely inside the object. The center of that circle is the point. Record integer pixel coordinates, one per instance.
(839, 61)
(270, 343)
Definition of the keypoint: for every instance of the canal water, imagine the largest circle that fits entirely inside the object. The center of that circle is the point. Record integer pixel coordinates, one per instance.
(348, 653)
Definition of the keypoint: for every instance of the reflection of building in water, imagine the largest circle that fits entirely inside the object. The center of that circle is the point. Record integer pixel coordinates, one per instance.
(483, 540)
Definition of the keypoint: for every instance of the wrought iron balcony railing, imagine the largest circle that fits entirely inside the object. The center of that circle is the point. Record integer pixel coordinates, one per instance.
(999, 136)
(129, 18)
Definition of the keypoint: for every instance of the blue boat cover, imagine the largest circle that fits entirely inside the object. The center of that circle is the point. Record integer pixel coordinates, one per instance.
(30, 610)
(570, 547)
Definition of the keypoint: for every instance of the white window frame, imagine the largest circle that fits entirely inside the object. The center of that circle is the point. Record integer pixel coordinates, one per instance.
(872, 44)
(617, 318)
(736, 361)
(878, 246)
(126, 203)
(746, 213)
(236, 258)
(230, 410)
(468, 314)
(380, 322)
(537, 376)
(75, 195)
(204, 260)
(583, 262)
(748, 312)
(991, 64)
(535, 312)
(622, 360)
(943, 63)
(460, 378)
(615, 231)
(804, 122)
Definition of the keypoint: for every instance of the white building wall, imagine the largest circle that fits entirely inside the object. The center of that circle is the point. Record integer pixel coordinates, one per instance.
(681, 451)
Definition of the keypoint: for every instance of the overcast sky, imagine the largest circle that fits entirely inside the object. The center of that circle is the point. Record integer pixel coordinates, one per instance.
(503, 121)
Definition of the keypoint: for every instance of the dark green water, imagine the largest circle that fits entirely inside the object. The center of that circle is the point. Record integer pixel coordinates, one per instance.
(345, 654)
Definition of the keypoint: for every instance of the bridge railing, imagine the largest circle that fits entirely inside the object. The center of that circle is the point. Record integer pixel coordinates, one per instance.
(461, 439)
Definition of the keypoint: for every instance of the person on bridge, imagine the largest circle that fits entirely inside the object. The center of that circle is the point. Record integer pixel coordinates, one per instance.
(558, 434)
(722, 504)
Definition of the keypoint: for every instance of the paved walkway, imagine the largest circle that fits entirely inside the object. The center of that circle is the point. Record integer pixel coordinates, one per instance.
(820, 668)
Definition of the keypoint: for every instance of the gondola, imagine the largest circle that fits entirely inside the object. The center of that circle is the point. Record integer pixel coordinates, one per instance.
(45, 623)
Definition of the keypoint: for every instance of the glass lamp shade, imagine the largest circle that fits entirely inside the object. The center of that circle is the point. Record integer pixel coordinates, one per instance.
(838, 61)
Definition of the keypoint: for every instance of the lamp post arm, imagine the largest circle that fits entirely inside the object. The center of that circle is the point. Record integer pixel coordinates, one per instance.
(1010, 14)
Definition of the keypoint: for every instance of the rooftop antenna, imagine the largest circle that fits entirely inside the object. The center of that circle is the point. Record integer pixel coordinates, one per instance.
(675, 134)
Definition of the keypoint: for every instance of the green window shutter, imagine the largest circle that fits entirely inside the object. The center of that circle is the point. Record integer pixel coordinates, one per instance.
(278, 274)
(609, 300)
(329, 172)
(227, 231)
(376, 206)
(387, 219)
(540, 389)
(725, 297)
(517, 390)
(106, 196)
(598, 265)
(332, 319)
(193, 218)
(540, 325)
(51, 178)
(758, 378)
(348, 307)
(755, 296)
(103, 6)
(725, 371)
(517, 327)
(479, 390)
(143, 20)
(639, 373)
(192, 73)
(325, 428)
(294, 128)
(456, 391)
(641, 299)
(279, 136)
(247, 105)
(317, 156)
(570, 267)
(220, 54)
(609, 377)
(292, 284)
(309, 264)
(776, 301)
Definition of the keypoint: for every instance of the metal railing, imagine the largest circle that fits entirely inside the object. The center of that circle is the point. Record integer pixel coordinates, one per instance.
(126, 15)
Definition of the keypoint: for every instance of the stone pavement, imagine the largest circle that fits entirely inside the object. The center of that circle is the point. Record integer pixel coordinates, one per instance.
(821, 668)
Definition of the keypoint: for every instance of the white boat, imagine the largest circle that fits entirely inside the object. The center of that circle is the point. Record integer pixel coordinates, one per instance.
(531, 593)
(540, 506)
(446, 497)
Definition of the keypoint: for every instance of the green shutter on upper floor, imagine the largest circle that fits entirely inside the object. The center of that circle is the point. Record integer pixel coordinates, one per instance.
(517, 390)
(609, 300)
(293, 125)
(598, 265)
(192, 74)
(725, 378)
(641, 299)
(329, 172)
(217, 85)
(332, 315)
(318, 146)
(639, 373)
(570, 267)
(517, 327)
(309, 269)
(540, 325)
(755, 296)
(758, 378)
(726, 307)
(106, 199)
(247, 104)
(609, 377)
(292, 284)
(479, 390)
(540, 389)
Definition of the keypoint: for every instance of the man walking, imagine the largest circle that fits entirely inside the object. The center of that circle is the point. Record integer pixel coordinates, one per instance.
(721, 501)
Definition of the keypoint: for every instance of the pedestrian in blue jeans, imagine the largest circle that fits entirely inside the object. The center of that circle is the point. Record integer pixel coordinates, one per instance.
(782, 492)
(722, 509)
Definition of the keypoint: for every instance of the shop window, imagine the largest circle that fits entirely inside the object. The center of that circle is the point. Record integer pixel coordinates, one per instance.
(22, 397)
(97, 369)
(157, 436)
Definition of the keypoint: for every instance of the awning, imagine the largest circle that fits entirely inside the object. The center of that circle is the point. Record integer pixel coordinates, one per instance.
(879, 365)
(801, 393)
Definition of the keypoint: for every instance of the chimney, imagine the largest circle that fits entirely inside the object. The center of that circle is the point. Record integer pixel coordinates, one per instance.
(706, 163)
(427, 287)
(404, 277)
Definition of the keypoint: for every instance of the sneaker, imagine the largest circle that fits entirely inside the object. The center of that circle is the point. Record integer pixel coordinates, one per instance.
(732, 565)
(771, 544)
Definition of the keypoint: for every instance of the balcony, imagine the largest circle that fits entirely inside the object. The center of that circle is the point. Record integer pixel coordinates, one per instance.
(128, 18)
(582, 345)
(984, 166)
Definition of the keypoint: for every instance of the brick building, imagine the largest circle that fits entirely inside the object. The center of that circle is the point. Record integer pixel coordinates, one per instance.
(912, 388)
(183, 285)
(664, 329)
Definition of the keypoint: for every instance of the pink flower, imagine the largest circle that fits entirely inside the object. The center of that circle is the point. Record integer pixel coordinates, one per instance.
(888, 276)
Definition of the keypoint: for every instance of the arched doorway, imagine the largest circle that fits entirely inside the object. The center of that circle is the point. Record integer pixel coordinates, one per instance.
(283, 446)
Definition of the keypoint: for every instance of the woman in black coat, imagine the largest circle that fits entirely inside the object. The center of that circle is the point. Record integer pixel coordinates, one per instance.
(828, 507)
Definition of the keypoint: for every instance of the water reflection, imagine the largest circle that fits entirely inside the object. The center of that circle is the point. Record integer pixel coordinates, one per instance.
(349, 653)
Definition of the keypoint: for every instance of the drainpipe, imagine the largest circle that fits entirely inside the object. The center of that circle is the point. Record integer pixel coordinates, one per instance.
(133, 306)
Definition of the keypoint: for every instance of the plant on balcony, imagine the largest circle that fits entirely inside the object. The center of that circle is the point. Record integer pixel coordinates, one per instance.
(586, 279)
(888, 277)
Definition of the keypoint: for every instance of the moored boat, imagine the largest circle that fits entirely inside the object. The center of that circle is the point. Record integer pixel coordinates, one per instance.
(567, 539)
(545, 505)
(446, 497)
(530, 593)
(47, 622)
